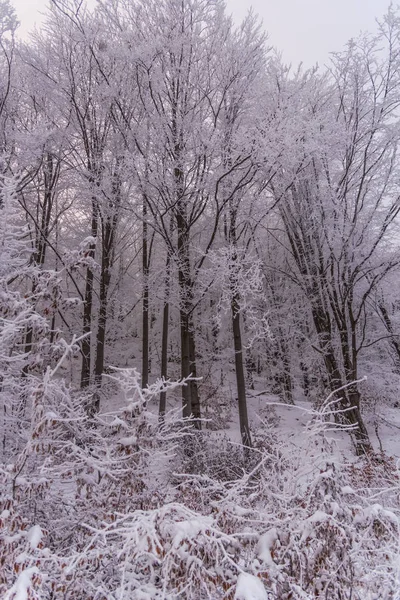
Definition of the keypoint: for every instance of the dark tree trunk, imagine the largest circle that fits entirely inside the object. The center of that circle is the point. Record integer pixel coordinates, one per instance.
(184, 269)
(287, 385)
(185, 365)
(285, 379)
(88, 304)
(164, 341)
(306, 378)
(101, 326)
(109, 223)
(145, 305)
(194, 392)
(236, 328)
(188, 361)
(51, 173)
(239, 371)
(105, 278)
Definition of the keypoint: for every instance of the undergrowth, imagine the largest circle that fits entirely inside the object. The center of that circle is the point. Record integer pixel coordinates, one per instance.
(121, 506)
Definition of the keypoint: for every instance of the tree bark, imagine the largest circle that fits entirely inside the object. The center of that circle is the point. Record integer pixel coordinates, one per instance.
(145, 302)
(109, 221)
(105, 278)
(237, 334)
(88, 304)
(188, 360)
(239, 371)
(164, 341)
(194, 392)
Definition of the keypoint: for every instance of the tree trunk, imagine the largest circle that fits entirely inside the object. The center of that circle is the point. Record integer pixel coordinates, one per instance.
(105, 278)
(188, 362)
(287, 385)
(109, 222)
(185, 365)
(194, 392)
(145, 305)
(237, 334)
(240, 376)
(164, 341)
(349, 399)
(51, 174)
(88, 304)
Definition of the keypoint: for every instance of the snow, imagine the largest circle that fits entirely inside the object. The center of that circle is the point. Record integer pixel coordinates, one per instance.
(249, 587)
(376, 511)
(186, 530)
(20, 589)
(265, 544)
(128, 441)
(117, 422)
(318, 517)
(21, 481)
(34, 536)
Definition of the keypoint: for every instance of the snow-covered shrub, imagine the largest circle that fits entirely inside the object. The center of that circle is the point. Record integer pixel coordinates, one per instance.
(309, 524)
(28, 569)
(327, 531)
(217, 406)
(213, 455)
(129, 444)
(168, 552)
(74, 474)
(25, 347)
(121, 517)
(330, 542)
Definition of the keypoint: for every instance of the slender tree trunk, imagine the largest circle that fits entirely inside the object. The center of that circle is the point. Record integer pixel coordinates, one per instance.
(188, 360)
(239, 371)
(185, 289)
(185, 365)
(306, 378)
(105, 278)
(145, 304)
(363, 444)
(287, 385)
(101, 328)
(88, 303)
(237, 334)
(164, 341)
(109, 223)
(194, 392)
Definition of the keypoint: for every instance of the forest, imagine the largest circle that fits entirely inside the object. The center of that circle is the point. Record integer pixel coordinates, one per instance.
(199, 318)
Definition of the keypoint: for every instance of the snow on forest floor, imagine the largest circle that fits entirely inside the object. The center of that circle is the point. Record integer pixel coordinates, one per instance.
(388, 430)
(267, 411)
(264, 407)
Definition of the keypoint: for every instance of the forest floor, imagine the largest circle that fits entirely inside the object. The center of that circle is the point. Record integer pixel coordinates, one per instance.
(268, 412)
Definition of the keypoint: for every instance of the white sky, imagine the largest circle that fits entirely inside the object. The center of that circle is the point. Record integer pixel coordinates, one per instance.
(304, 30)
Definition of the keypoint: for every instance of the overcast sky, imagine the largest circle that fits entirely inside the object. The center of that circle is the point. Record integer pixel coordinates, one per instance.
(304, 30)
